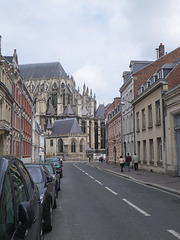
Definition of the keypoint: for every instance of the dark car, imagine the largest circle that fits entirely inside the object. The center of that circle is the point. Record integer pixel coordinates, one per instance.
(20, 207)
(56, 177)
(57, 165)
(44, 181)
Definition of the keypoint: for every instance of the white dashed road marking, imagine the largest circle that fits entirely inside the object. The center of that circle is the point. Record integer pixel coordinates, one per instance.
(137, 208)
(98, 182)
(176, 234)
(111, 191)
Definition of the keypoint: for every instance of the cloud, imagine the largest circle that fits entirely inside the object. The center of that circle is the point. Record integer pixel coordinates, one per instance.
(94, 40)
(92, 76)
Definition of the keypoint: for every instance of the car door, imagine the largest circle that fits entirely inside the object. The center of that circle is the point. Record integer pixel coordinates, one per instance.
(21, 195)
(33, 197)
(8, 215)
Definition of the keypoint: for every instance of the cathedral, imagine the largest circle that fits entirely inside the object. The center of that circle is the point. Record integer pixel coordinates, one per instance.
(74, 126)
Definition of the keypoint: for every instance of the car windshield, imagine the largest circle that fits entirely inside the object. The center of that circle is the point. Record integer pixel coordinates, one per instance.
(35, 173)
(49, 168)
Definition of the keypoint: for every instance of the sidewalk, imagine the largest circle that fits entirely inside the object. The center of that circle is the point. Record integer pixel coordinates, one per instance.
(160, 181)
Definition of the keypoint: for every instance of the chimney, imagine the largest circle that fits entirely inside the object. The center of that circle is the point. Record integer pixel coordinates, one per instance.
(161, 50)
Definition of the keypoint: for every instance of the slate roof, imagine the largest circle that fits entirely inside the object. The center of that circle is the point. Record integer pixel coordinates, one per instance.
(68, 110)
(84, 111)
(41, 70)
(51, 110)
(49, 124)
(65, 126)
(100, 111)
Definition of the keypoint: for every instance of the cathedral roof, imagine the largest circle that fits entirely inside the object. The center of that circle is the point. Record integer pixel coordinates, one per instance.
(84, 111)
(51, 110)
(100, 113)
(65, 126)
(41, 70)
(68, 110)
(48, 124)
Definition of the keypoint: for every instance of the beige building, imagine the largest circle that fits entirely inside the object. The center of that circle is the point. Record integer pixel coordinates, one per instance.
(149, 125)
(172, 130)
(6, 101)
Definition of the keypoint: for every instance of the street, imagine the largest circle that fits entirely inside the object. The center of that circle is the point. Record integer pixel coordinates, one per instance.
(97, 205)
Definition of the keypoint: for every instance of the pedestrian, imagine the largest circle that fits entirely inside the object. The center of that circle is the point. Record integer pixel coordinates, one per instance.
(135, 161)
(128, 161)
(121, 162)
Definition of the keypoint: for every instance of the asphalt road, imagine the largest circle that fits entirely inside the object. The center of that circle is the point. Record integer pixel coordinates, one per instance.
(96, 205)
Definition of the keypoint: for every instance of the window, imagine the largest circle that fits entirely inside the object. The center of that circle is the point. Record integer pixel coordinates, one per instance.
(81, 145)
(158, 113)
(60, 144)
(51, 143)
(139, 149)
(103, 135)
(54, 99)
(143, 119)
(73, 146)
(150, 115)
(159, 149)
(19, 188)
(7, 221)
(83, 128)
(137, 121)
(29, 183)
(151, 152)
(144, 151)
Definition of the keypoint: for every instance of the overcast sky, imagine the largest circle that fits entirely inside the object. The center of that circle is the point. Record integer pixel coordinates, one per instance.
(94, 40)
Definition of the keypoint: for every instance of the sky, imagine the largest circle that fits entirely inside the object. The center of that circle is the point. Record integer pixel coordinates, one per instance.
(94, 40)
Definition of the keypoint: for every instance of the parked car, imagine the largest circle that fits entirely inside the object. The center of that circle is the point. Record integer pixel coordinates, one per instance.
(44, 181)
(56, 177)
(57, 165)
(20, 207)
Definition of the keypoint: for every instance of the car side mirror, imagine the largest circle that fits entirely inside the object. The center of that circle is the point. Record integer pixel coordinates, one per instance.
(26, 214)
(49, 179)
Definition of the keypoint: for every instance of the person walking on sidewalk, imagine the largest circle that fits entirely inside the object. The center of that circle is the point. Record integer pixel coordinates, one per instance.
(121, 162)
(135, 161)
(128, 161)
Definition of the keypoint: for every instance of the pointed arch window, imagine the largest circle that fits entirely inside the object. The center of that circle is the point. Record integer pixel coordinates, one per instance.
(60, 145)
(83, 128)
(54, 99)
(73, 146)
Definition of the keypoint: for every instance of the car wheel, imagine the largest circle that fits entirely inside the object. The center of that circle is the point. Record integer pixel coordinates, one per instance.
(50, 218)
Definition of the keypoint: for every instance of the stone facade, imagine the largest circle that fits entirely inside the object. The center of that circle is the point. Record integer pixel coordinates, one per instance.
(55, 97)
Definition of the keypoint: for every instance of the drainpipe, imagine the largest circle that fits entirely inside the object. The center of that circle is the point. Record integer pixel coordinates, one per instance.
(12, 114)
(21, 122)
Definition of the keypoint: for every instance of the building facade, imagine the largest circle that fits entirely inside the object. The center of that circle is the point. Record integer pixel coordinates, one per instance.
(16, 112)
(153, 115)
(113, 131)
